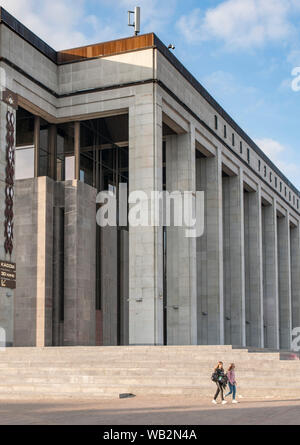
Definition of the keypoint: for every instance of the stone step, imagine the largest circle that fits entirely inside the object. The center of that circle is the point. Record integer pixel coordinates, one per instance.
(120, 370)
(90, 391)
(106, 372)
(100, 381)
(151, 356)
(140, 371)
(152, 364)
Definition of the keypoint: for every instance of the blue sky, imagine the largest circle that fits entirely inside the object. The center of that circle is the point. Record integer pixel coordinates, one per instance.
(242, 51)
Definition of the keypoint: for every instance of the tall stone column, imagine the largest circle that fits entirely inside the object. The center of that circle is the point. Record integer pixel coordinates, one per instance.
(109, 285)
(80, 264)
(253, 269)
(124, 287)
(210, 297)
(295, 270)
(145, 243)
(34, 201)
(181, 251)
(284, 280)
(234, 268)
(270, 277)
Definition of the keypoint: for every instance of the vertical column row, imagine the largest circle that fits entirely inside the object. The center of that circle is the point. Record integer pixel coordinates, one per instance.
(253, 269)
(181, 251)
(145, 243)
(270, 276)
(234, 260)
(210, 297)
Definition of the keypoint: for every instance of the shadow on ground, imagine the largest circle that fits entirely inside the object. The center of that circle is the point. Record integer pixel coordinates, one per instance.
(141, 411)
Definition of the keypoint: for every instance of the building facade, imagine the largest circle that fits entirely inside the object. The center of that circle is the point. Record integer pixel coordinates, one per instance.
(128, 111)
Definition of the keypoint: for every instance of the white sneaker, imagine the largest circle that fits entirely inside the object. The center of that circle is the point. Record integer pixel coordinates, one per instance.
(235, 401)
(224, 402)
(214, 402)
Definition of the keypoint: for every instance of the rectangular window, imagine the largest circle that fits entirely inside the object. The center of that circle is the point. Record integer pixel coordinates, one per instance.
(271, 177)
(70, 168)
(259, 165)
(248, 155)
(265, 171)
(233, 140)
(216, 122)
(276, 182)
(241, 147)
(225, 131)
(24, 162)
(280, 187)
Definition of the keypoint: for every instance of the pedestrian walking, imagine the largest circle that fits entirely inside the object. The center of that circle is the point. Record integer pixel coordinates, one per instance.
(220, 379)
(232, 382)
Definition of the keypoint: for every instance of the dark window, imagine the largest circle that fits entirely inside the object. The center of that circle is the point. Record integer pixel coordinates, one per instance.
(265, 171)
(248, 155)
(216, 122)
(271, 177)
(281, 187)
(276, 182)
(241, 147)
(225, 131)
(259, 165)
(233, 140)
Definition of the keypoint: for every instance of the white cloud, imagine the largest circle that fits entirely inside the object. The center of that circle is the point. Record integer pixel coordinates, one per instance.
(272, 148)
(69, 23)
(241, 24)
(59, 22)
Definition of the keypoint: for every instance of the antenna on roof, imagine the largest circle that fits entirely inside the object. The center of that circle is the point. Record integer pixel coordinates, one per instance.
(137, 20)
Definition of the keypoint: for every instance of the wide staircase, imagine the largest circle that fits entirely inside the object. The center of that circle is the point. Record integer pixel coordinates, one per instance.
(105, 372)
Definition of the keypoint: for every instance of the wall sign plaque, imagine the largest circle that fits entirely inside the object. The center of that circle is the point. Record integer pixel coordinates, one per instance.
(10, 99)
(7, 275)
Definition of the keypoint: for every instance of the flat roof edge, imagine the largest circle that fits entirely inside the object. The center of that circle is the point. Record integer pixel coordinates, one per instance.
(27, 35)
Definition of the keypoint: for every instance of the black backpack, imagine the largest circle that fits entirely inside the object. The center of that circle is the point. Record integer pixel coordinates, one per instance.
(214, 377)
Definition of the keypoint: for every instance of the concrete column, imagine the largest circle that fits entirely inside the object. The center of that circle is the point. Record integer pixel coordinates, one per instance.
(234, 268)
(270, 277)
(210, 298)
(34, 250)
(145, 243)
(77, 149)
(36, 137)
(181, 251)
(124, 286)
(253, 269)
(109, 285)
(284, 280)
(295, 271)
(58, 273)
(80, 264)
(53, 150)
(6, 295)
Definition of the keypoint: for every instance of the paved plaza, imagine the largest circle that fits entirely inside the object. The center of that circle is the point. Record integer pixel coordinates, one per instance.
(149, 411)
